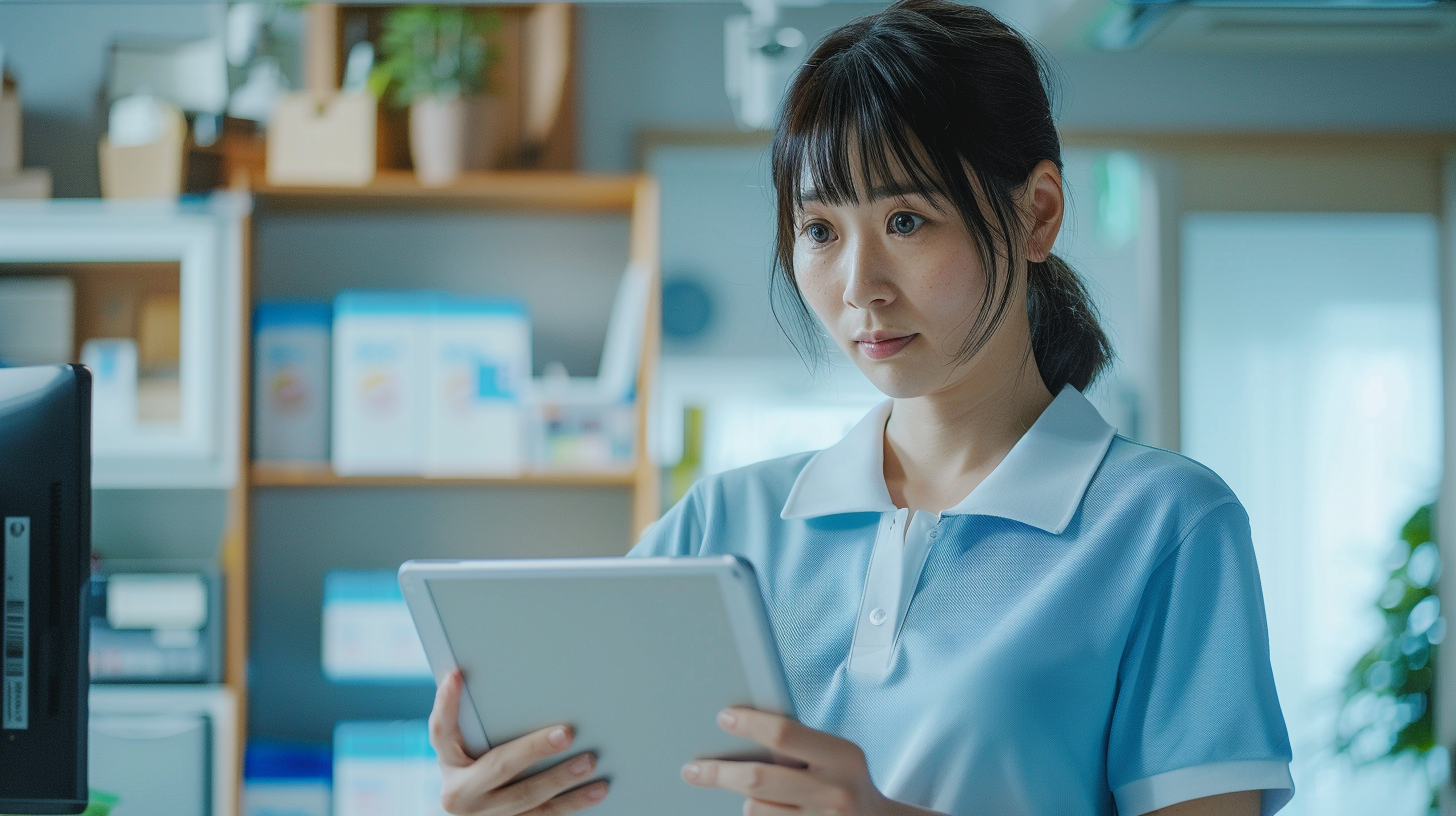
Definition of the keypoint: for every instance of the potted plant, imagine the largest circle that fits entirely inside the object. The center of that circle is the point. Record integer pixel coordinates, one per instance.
(434, 61)
(1387, 712)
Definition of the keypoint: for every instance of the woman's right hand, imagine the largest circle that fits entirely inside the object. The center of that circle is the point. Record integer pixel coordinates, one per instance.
(484, 786)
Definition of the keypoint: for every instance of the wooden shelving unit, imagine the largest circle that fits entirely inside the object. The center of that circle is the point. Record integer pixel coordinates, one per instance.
(633, 197)
(268, 475)
(509, 190)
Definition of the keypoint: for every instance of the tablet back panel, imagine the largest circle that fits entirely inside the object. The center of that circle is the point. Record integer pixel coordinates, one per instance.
(618, 653)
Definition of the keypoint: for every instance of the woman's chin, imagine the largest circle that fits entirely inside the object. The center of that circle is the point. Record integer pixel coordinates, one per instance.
(885, 379)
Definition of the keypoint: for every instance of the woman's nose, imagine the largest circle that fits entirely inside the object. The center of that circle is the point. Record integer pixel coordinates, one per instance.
(866, 283)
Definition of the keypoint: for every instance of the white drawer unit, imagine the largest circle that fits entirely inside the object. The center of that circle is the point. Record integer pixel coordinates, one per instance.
(157, 288)
(165, 749)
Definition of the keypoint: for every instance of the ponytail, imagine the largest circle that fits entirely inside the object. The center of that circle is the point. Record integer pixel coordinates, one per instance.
(1066, 340)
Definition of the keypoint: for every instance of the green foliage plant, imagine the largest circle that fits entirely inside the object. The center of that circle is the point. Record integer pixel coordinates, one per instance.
(1388, 692)
(439, 51)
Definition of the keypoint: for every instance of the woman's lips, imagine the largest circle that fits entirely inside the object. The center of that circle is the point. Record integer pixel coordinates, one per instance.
(885, 348)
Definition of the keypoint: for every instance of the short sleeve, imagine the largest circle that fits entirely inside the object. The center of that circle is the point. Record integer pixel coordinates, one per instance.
(1197, 713)
(678, 532)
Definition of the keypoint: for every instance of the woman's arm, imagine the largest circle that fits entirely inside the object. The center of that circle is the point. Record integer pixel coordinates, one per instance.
(1243, 803)
(834, 780)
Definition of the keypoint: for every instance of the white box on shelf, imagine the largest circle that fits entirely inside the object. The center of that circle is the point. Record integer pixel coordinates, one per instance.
(368, 634)
(380, 382)
(291, 381)
(113, 364)
(480, 364)
(37, 320)
(385, 769)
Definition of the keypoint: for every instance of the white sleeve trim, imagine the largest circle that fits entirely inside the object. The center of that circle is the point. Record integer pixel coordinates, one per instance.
(1268, 775)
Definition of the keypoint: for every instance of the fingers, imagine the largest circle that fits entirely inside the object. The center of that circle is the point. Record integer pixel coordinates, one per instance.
(537, 790)
(756, 780)
(754, 807)
(786, 737)
(573, 801)
(503, 763)
(445, 736)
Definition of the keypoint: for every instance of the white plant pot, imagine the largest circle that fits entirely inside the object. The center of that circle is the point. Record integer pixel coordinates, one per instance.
(452, 134)
(437, 139)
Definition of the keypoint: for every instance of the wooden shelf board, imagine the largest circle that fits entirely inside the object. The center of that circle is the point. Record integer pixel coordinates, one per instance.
(516, 190)
(266, 475)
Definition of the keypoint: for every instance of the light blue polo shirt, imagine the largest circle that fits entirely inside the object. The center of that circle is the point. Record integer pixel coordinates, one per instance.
(1082, 634)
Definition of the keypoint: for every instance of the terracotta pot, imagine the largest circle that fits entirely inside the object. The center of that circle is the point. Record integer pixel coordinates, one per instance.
(453, 134)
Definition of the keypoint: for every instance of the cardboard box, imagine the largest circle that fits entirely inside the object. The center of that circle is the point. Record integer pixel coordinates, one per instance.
(34, 182)
(480, 365)
(9, 128)
(322, 141)
(146, 171)
(380, 382)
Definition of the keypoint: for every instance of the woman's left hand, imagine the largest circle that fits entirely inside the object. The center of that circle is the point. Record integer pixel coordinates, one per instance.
(834, 782)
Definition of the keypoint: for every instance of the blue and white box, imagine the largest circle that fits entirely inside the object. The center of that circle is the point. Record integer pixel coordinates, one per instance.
(283, 779)
(291, 381)
(385, 769)
(381, 382)
(480, 366)
(368, 634)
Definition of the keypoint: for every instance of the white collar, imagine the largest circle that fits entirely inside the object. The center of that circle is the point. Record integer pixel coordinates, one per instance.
(1040, 482)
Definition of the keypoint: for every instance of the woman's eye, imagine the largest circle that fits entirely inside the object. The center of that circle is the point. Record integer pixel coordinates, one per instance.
(818, 233)
(905, 223)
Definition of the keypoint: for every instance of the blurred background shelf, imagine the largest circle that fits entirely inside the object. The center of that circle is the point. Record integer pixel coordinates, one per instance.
(273, 475)
(524, 189)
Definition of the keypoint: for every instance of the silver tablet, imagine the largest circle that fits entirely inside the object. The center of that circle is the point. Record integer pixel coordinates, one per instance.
(638, 655)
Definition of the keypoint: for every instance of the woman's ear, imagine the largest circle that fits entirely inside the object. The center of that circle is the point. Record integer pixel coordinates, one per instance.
(1045, 204)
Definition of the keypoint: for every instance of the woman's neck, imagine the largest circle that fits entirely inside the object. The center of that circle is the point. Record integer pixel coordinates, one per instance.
(939, 447)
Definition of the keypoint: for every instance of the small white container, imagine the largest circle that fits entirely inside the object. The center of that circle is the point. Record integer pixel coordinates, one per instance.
(480, 363)
(291, 381)
(113, 364)
(380, 395)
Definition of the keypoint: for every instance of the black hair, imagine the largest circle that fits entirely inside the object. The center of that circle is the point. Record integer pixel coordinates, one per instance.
(943, 99)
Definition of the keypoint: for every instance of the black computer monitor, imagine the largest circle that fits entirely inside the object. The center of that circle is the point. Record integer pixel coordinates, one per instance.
(45, 552)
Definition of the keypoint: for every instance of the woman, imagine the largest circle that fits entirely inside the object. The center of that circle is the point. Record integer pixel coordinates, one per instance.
(986, 601)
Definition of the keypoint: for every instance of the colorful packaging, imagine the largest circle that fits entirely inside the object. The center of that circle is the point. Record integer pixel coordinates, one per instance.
(286, 779)
(381, 377)
(368, 635)
(385, 769)
(480, 363)
(291, 381)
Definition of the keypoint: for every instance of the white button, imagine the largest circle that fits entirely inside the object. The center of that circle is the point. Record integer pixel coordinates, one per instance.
(877, 616)
(934, 533)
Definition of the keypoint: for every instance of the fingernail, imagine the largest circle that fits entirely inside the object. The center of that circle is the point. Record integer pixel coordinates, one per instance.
(691, 770)
(597, 793)
(581, 765)
(727, 719)
(559, 738)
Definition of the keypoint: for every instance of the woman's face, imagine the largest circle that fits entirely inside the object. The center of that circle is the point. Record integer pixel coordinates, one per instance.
(897, 280)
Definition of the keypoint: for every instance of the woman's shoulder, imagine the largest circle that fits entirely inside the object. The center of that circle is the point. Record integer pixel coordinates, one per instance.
(764, 483)
(1137, 475)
